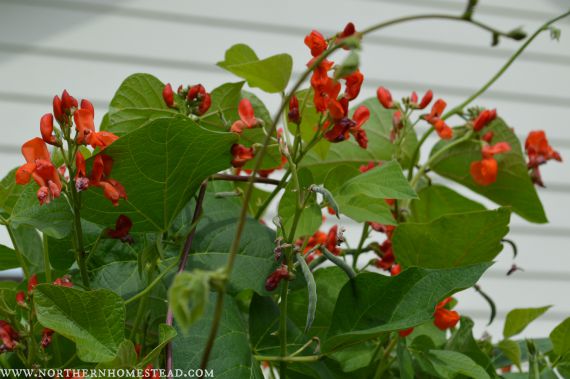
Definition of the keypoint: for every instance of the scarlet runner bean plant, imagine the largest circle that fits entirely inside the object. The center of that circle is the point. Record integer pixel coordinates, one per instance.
(149, 243)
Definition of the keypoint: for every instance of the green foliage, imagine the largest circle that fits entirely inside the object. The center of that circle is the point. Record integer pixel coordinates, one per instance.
(188, 297)
(560, 338)
(270, 74)
(436, 201)
(452, 241)
(94, 320)
(518, 319)
(380, 304)
(511, 350)
(513, 186)
(160, 178)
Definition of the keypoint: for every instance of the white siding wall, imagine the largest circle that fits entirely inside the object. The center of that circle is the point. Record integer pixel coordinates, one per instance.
(89, 46)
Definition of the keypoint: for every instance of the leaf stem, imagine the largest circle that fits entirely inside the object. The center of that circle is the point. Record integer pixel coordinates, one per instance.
(47, 266)
(304, 358)
(363, 236)
(283, 328)
(239, 178)
(152, 284)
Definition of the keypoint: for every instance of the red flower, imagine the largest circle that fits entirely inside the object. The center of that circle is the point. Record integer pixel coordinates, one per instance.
(58, 110)
(123, 226)
(388, 258)
(168, 95)
(275, 277)
(39, 167)
(405, 332)
(367, 167)
(64, 281)
(353, 85)
(426, 99)
(85, 126)
(294, 116)
(198, 96)
(488, 137)
(325, 88)
(344, 126)
(241, 155)
(8, 336)
(247, 117)
(46, 337)
(539, 150)
(396, 269)
(484, 172)
(434, 118)
(384, 97)
(112, 190)
(484, 119)
(316, 42)
(32, 283)
(443, 317)
(331, 243)
(46, 130)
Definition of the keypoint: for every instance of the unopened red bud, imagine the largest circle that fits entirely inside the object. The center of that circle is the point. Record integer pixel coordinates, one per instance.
(196, 92)
(488, 137)
(414, 98)
(46, 130)
(384, 97)
(205, 105)
(484, 119)
(293, 114)
(58, 109)
(428, 96)
(405, 332)
(168, 95)
(21, 298)
(32, 283)
(275, 278)
(395, 269)
(397, 120)
(68, 102)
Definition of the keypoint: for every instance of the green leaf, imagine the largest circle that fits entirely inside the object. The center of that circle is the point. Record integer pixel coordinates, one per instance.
(29, 244)
(224, 107)
(373, 303)
(231, 355)
(127, 120)
(311, 290)
(126, 358)
(437, 200)
(518, 319)
(9, 192)
(270, 74)
(139, 91)
(7, 299)
(560, 338)
(513, 186)
(405, 362)
(452, 241)
(329, 281)
(463, 342)
(188, 297)
(214, 235)
(311, 217)
(166, 333)
(8, 258)
(511, 350)
(94, 320)
(379, 149)
(53, 219)
(122, 277)
(362, 197)
(449, 364)
(161, 165)
(355, 357)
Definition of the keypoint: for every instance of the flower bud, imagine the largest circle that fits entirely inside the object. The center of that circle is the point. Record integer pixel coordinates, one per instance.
(21, 298)
(428, 96)
(58, 109)
(293, 114)
(32, 283)
(168, 95)
(46, 130)
(68, 102)
(275, 278)
(385, 97)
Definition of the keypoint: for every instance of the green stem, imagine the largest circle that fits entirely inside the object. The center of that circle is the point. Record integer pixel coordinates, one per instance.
(271, 196)
(47, 267)
(304, 358)
(363, 236)
(416, 153)
(78, 235)
(283, 328)
(386, 361)
(152, 284)
(499, 73)
(438, 154)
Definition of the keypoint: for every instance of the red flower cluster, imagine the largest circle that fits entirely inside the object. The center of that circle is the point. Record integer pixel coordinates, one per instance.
(85, 126)
(339, 126)
(539, 152)
(241, 155)
(196, 100)
(123, 226)
(100, 172)
(8, 336)
(328, 240)
(484, 172)
(387, 260)
(39, 167)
